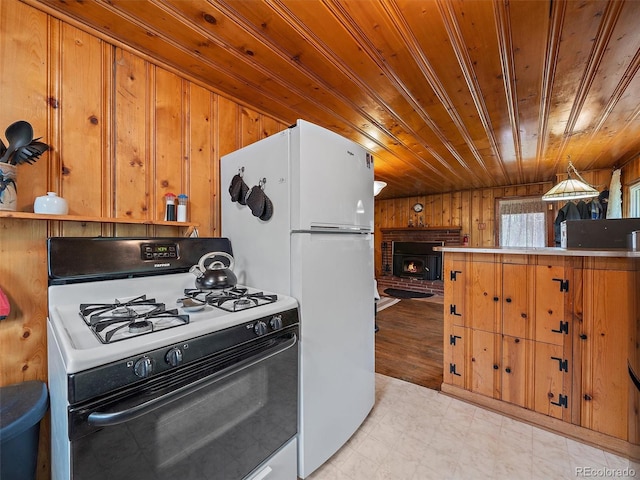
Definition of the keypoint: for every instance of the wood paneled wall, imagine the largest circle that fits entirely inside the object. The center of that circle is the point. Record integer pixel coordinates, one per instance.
(123, 132)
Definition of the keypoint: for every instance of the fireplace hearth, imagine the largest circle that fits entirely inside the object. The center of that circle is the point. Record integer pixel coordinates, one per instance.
(417, 260)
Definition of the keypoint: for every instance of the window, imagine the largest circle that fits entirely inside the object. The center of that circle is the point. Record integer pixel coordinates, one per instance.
(634, 200)
(522, 222)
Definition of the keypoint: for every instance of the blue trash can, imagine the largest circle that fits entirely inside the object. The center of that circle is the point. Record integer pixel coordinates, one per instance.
(22, 406)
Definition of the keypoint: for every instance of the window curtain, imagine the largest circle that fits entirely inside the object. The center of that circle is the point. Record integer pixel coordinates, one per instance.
(522, 222)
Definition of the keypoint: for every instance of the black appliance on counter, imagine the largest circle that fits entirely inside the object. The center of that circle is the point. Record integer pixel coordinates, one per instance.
(601, 234)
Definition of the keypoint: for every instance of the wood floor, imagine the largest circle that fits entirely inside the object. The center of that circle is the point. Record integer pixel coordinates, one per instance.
(409, 342)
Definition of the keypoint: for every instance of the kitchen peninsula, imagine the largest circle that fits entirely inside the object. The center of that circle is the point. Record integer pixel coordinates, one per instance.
(549, 336)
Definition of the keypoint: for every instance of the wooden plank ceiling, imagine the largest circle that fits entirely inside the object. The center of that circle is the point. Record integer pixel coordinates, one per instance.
(447, 94)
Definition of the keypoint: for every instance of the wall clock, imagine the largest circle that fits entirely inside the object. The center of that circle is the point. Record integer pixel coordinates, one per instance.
(418, 207)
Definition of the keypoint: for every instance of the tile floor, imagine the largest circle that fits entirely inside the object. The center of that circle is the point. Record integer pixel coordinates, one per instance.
(414, 433)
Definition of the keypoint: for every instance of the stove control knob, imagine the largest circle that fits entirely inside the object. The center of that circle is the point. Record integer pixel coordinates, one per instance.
(143, 367)
(276, 322)
(174, 357)
(260, 328)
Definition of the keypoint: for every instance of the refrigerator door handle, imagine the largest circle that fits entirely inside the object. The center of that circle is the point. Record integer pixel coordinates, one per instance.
(335, 229)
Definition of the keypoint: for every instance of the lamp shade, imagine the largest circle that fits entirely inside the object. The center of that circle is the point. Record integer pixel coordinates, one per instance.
(378, 186)
(570, 189)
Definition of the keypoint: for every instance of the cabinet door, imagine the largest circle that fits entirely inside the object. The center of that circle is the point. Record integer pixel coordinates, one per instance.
(454, 290)
(484, 365)
(454, 355)
(516, 370)
(634, 366)
(609, 306)
(485, 296)
(552, 380)
(552, 288)
(516, 293)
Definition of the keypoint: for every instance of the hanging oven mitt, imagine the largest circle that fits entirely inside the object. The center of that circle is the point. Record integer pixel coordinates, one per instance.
(256, 199)
(238, 189)
(5, 308)
(244, 190)
(234, 188)
(268, 209)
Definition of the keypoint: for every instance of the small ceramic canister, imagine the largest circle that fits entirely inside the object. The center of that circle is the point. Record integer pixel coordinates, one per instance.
(51, 204)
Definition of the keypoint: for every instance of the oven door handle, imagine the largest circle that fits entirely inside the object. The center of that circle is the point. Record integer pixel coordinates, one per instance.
(104, 419)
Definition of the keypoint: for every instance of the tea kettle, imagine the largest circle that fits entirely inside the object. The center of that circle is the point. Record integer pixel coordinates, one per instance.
(215, 275)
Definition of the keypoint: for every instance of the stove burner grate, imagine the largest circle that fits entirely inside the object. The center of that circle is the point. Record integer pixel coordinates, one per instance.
(231, 299)
(109, 321)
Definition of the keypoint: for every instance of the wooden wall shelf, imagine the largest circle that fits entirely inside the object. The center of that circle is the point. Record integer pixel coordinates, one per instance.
(85, 219)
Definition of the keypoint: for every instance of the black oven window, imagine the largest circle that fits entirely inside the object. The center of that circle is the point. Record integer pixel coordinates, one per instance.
(222, 431)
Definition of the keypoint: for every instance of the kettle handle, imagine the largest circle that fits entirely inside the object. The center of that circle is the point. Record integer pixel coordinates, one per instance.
(217, 263)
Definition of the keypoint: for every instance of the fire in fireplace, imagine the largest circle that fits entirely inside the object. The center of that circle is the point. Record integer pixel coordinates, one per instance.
(417, 260)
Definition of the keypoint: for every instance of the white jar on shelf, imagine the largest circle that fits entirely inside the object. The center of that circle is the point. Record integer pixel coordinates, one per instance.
(51, 204)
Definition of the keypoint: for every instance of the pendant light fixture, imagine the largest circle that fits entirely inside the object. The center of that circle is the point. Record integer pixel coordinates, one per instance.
(570, 188)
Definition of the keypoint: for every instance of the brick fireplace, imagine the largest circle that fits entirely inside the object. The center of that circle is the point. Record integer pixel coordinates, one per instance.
(449, 236)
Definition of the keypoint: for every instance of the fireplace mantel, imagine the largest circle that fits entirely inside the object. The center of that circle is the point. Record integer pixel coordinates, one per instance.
(421, 229)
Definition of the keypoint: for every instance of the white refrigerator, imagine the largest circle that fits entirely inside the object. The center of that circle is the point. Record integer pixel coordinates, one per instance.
(317, 246)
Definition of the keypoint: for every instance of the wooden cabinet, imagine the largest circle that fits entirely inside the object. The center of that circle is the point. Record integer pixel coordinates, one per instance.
(516, 373)
(550, 335)
(552, 371)
(454, 354)
(609, 296)
(483, 310)
(493, 298)
(454, 276)
(455, 279)
(517, 301)
(551, 287)
(484, 367)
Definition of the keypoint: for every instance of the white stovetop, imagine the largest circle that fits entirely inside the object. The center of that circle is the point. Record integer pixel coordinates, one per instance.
(81, 349)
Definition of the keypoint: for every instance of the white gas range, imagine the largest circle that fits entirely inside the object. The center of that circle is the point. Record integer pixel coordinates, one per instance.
(140, 357)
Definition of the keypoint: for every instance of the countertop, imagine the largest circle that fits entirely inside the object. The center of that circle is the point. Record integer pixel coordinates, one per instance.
(554, 251)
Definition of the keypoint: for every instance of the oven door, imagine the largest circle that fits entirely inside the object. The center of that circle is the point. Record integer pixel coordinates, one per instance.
(216, 420)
